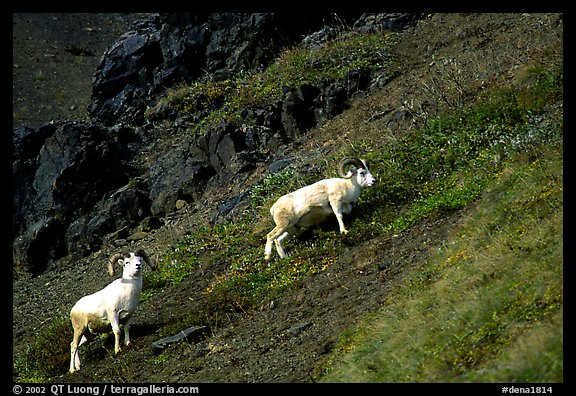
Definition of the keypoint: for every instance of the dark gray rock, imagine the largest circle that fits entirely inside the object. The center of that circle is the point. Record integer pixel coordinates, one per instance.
(124, 209)
(298, 110)
(298, 328)
(167, 49)
(121, 83)
(181, 173)
(229, 208)
(190, 332)
(76, 165)
(27, 141)
(369, 23)
(37, 247)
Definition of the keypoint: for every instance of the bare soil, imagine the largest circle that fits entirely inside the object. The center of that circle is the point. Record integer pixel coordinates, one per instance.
(54, 57)
(288, 339)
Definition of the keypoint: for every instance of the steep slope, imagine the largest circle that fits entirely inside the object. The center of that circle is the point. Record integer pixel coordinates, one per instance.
(289, 334)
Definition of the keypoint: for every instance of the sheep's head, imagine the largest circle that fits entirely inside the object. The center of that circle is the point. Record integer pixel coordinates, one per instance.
(360, 171)
(133, 259)
(142, 253)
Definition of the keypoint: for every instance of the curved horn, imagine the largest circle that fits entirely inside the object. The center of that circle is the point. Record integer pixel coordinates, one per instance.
(112, 262)
(142, 253)
(349, 161)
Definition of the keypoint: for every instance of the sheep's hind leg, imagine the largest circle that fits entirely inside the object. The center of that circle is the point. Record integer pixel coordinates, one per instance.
(272, 238)
(77, 340)
(268, 248)
(278, 243)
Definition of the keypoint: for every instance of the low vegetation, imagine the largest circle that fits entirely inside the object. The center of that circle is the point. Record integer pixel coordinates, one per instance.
(486, 301)
(486, 307)
(211, 101)
(49, 355)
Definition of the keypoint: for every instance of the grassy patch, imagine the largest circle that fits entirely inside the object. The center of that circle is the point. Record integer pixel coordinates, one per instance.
(48, 355)
(445, 165)
(211, 101)
(471, 310)
(247, 280)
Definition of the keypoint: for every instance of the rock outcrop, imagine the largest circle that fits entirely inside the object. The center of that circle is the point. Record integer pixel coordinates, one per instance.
(76, 185)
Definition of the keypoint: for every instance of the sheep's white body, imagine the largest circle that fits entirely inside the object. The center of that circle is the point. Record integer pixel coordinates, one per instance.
(107, 309)
(313, 204)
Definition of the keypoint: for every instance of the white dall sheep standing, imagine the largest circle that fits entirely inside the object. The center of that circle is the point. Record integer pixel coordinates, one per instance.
(110, 307)
(315, 203)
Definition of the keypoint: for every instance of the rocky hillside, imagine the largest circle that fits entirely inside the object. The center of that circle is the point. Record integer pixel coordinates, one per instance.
(197, 122)
(58, 164)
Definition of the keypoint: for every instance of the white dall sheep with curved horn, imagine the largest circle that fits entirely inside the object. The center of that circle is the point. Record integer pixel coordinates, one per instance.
(111, 307)
(315, 203)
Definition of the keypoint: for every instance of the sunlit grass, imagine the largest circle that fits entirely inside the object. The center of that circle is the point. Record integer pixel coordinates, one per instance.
(491, 297)
(210, 101)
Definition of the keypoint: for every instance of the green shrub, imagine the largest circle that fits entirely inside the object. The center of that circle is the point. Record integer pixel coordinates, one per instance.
(49, 354)
(210, 101)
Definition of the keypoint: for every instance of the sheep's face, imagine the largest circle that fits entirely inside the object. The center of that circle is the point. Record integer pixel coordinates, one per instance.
(364, 177)
(132, 266)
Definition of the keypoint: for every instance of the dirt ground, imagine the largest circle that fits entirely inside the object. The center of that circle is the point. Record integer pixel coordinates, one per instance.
(54, 56)
(288, 339)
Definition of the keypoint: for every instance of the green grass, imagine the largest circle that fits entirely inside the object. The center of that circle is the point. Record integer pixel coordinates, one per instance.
(210, 101)
(488, 306)
(49, 355)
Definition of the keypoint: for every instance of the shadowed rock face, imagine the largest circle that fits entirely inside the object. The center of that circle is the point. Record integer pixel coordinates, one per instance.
(74, 167)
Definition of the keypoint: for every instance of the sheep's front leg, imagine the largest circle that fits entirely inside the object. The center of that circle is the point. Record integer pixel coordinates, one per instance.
(115, 322)
(336, 208)
(127, 333)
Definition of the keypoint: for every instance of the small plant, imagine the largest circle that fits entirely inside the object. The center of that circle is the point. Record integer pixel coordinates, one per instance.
(39, 76)
(446, 84)
(272, 185)
(211, 101)
(48, 355)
